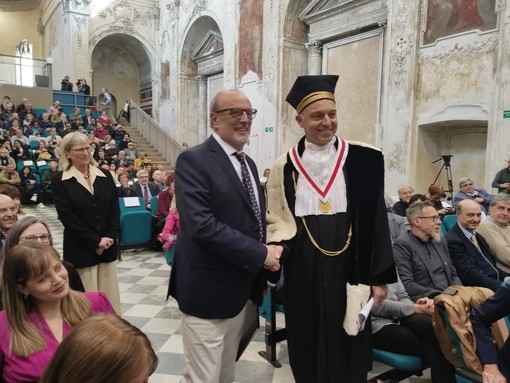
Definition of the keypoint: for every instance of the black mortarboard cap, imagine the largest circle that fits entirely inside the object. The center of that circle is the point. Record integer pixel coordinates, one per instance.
(308, 89)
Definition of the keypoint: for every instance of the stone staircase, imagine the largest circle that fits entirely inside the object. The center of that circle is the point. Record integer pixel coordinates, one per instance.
(144, 145)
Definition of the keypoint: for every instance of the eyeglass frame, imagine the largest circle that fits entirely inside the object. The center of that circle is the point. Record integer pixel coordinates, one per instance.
(231, 110)
(34, 237)
(83, 150)
(433, 218)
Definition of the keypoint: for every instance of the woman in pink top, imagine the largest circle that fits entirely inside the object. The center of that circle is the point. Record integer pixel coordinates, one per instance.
(40, 310)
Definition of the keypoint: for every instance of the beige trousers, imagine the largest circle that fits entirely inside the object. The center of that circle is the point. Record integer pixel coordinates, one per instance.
(103, 277)
(210, 347)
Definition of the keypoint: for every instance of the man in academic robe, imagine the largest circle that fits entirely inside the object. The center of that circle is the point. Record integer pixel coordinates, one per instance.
(326, 207)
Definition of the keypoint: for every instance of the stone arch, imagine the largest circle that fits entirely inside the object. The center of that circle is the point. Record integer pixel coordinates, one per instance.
(198, 81)
(123, 64)
(294, 62)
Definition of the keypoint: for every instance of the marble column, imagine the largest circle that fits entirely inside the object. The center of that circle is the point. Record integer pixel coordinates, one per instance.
(314, 49)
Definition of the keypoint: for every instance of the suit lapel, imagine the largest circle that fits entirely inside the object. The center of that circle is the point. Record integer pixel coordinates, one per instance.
(422, 254)
(225, 164)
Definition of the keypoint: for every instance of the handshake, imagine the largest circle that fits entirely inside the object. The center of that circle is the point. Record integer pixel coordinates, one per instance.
(274, 252)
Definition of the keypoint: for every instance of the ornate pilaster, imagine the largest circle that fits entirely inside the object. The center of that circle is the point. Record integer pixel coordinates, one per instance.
(202, 107)
(314, 49)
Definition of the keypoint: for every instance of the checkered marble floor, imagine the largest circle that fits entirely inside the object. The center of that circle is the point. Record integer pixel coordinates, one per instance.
(143, 280)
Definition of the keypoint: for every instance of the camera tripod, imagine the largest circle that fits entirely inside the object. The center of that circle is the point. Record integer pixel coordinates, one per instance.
(448, 169)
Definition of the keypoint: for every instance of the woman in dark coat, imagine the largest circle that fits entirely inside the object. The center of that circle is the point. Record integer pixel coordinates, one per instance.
(87, 205)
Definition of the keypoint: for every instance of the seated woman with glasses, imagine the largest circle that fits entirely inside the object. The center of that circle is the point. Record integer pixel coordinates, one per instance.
(30, 228)
(120, 352)
(40, 310)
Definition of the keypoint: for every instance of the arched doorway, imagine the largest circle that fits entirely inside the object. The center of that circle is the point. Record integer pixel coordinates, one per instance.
(122, 64)
(202, 69)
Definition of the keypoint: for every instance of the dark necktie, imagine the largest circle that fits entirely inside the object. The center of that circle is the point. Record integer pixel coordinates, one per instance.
(245, 175)
(145, 195)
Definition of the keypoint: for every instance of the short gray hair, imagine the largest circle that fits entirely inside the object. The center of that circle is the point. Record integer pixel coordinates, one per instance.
(463, 180)
(416, 209)
(501, 197)
(141, 172)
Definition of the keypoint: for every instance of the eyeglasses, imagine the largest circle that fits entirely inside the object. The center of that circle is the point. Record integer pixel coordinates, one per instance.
(432, 217)
(238, 112)
(45, 238)
(83, 150)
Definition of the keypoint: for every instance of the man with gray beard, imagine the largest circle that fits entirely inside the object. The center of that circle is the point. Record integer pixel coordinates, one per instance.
(421, 255)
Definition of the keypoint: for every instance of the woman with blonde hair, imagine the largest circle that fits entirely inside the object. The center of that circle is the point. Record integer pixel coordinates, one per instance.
(88, 207)
(119, 352)
(40, 310)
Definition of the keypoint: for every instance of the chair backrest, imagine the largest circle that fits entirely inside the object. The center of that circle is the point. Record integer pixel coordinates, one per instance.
(135, 227)
(133, 204)
(449, 221)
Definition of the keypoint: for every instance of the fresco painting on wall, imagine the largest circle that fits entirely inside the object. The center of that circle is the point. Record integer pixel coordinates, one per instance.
(250, 37)
(165, 80)
(448, 17)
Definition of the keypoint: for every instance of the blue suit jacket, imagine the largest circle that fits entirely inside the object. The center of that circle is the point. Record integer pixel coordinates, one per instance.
(494, 308)
(219, 260)
(473, 268)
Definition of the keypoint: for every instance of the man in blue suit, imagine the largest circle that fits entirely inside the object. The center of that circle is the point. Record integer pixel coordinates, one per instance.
(496, 367)
(218, 274)
(470, 252)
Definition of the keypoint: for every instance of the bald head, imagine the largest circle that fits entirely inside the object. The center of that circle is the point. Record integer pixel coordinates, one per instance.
(469, 214)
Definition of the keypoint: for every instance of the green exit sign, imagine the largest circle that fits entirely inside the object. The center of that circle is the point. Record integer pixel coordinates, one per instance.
(270, 129)
(506, 114)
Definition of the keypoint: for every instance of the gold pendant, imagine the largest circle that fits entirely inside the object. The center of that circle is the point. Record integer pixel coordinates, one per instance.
(324, 207)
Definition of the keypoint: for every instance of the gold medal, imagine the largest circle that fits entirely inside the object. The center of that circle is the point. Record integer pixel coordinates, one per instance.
(324, 207)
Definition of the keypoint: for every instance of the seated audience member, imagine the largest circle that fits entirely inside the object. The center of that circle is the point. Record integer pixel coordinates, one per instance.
(468, 191)
(130, 170)
(119, 133)
(398, 224)
(104, 119)
(399, 325)
(145, 189)
(54, 108)
(469, 251)
(18, 136)
(111, 150)
(10, 176)
(5, 159)
(15, 194)
(496, 231)
(15, 126)
(502, 178)
(48, 174)
(8, 216)
(67, 129)
(30, 228)
(36, 133)
(168, 236)
(421, 255)
(125, 190)
(101, 157)
(123, 144)
(88, 117)
(119, 353)
(43, 153)
(40, 310)
(121, 159)
(496, 366)
(45, 122)
(434, 194)
(100, 132)
(76, 115)
(158, 177)
(53, 141)
(142, 161)
(91, 125)
(405, 192)
(30, 184)
(417, 197)
(131, 151)
(60, 122)
(20, 151)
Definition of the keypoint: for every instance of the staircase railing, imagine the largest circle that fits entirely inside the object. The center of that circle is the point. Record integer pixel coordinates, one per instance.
(165, 144)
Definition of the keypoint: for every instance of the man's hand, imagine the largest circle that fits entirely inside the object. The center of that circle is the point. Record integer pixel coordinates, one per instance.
(274, 252)
(379, 293)
(491, 374)
(424, 306)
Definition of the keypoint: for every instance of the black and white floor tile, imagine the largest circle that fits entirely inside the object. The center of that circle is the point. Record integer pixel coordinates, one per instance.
(143, 280)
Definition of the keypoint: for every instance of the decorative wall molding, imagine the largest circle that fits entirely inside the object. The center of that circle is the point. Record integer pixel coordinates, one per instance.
(396, 160)
(402, 45)
(314, 47)
(270, 76)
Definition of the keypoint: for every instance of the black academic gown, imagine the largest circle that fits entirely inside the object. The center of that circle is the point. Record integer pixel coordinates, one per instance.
(314, 284)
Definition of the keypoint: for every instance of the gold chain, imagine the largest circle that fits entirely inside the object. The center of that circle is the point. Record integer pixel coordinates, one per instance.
(329, 253)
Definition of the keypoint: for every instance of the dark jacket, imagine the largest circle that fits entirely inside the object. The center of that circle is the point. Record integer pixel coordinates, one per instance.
(87, 218)
(219, 260)
(473, 268)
